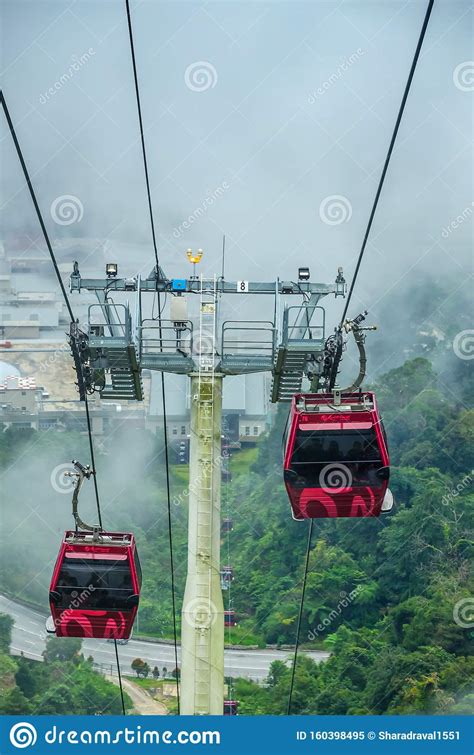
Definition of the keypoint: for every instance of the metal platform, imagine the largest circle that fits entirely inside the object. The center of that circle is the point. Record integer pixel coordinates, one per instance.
(166, 346)
(247, 346)
(113, 353)
(300, 341)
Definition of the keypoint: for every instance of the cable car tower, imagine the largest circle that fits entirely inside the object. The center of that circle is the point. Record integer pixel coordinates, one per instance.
(113, 348)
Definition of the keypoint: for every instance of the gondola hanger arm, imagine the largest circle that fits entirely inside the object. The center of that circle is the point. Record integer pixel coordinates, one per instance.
(80, 474)
(354, 327)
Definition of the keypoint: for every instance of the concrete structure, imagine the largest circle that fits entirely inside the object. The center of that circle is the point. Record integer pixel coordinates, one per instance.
(202, 626)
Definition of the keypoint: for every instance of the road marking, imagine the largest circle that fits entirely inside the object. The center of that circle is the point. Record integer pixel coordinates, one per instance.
(18, 651)
(20, 631)
(239, 662)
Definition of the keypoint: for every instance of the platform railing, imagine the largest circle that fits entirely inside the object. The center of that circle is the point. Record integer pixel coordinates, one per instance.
(104, 319)
(163, 337)
(296, 327)
(248, 338)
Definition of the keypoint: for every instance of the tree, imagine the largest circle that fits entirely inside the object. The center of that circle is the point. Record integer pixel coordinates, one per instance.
(176, 673)
(8, 669)
(140, 667)
(6, 625)
(277, 671)
(145, 670)
(58, 699)
(15, 704)
(137, 665)
(156, 673)
(62, 649)
(26, 678)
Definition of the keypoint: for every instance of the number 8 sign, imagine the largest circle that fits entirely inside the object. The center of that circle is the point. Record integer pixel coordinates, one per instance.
(242, 287)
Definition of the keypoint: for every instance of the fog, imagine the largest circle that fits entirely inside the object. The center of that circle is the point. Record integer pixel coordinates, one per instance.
(37, 501)
(266, 122)
(292, 103)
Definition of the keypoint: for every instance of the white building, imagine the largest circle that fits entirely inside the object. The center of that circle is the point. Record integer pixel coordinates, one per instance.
(246, 407)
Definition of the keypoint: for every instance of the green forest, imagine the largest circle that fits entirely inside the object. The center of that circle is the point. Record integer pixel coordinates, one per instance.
(65, 683)
(385, 597)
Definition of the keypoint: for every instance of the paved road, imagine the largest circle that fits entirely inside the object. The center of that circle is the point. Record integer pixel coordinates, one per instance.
(29, 636)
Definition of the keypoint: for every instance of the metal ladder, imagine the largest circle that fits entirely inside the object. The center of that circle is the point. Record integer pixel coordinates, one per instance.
(300, 341)
(206, 380)
(126, 382)
(288, 374)
(116, 353)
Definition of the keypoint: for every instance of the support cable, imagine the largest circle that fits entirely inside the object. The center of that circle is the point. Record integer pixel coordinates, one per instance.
(120, 678)
(163, 391)
(293, 671)
(389, 154)
(142, 135)
(354, 278)
(35, 203)
(91, 450)
(71, 314)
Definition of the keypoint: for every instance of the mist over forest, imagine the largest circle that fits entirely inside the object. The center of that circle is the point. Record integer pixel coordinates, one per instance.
(258, 117)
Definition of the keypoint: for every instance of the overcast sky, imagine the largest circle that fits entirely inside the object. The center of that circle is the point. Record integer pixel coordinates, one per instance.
(257, 115)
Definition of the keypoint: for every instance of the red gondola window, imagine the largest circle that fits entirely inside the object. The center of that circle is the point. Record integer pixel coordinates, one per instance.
(138, 568)
(106, 582)
(357, 449)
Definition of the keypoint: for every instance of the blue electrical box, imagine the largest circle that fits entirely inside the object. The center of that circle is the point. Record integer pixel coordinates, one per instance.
(178, 284)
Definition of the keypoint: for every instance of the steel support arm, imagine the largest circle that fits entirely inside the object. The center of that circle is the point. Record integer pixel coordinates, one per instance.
(193, 285)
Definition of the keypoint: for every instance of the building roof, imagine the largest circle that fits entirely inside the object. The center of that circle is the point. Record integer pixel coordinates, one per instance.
(11, 382)
(7, 369)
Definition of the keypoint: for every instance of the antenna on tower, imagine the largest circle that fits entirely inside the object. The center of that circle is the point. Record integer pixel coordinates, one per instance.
(223, 256)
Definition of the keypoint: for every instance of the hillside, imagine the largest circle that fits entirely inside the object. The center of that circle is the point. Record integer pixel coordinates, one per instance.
(388, 597)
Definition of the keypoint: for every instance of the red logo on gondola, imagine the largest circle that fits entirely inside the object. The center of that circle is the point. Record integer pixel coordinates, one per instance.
(335, 417)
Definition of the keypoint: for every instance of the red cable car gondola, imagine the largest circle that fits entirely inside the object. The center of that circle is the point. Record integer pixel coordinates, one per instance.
(95, 587)
(229, 619)
(227, 525)
(336, 461)
(227, 577)
(231, 707)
